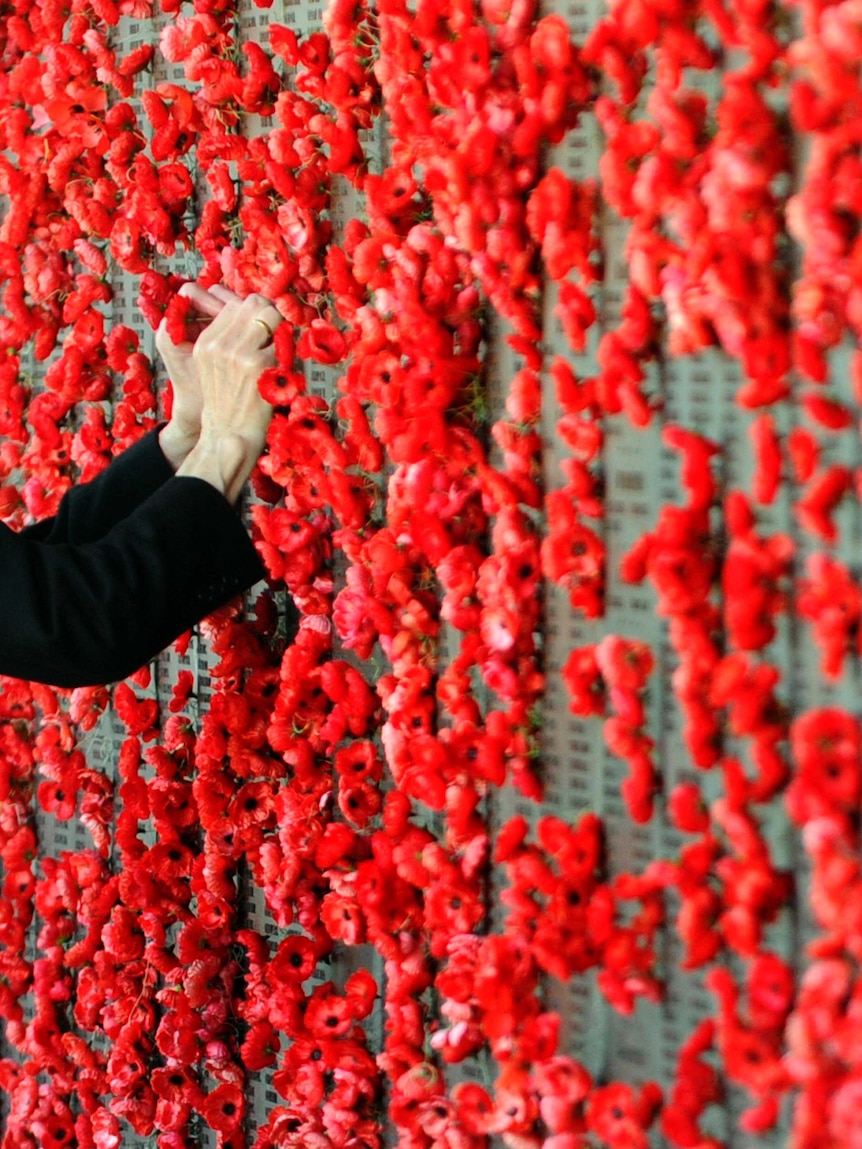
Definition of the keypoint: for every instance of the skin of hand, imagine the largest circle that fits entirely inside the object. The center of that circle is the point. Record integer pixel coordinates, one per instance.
(180, 435)
(230, 355)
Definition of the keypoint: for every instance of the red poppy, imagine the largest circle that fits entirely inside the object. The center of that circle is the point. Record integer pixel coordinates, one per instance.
(223, 1109)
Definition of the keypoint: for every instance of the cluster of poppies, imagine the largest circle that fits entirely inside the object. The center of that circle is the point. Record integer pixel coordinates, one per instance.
(340, 781)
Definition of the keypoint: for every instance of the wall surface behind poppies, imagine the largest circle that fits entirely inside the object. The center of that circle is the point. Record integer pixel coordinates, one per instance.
(545, 826)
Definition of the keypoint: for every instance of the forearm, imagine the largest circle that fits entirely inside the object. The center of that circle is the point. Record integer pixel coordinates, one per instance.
(82, 615)
(88, 511)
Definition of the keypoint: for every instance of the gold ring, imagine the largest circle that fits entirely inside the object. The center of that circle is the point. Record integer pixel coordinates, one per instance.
(262, 323)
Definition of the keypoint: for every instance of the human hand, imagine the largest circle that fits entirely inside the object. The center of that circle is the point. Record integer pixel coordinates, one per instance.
(181, 433)
(230, 356)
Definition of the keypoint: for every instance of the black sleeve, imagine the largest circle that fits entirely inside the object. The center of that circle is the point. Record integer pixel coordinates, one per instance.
(90, 510)
(91, 613)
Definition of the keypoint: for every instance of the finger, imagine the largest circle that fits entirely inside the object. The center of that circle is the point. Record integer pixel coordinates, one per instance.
(195, 324)
(271, 316)
(265, 318)
(225, 294)
(221, 330)
(205, 301)
(256, 304)
(252, 324)
(262, 332)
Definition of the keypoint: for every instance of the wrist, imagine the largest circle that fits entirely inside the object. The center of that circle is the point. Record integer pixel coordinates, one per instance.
(176, 444)
(224, 461)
